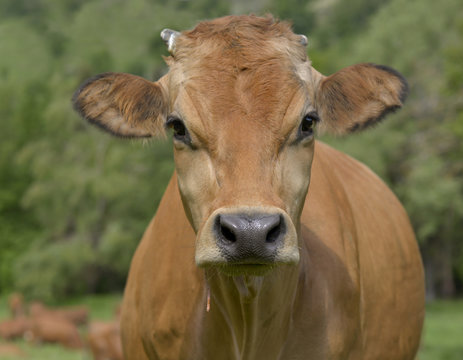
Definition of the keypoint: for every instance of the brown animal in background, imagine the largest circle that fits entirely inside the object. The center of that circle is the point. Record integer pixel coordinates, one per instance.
(104, 340)
(243, 259)
(14, 328)
(11, 350)
(78, 315)
(16, 305)
(53, 329)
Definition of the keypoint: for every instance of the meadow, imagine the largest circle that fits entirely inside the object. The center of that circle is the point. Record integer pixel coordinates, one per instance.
(442, 336)
(443, 331)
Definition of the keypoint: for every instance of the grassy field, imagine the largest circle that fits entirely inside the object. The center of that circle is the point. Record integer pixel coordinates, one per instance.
(442, 337)
(443, 331)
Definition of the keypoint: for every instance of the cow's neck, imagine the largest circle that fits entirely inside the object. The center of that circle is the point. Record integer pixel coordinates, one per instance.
(256, 310)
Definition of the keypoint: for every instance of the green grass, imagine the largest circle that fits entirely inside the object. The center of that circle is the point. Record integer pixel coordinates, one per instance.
(443, 331)
(48, 352)
(442, 336)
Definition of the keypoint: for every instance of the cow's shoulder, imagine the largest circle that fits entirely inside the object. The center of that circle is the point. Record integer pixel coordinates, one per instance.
(164, 285)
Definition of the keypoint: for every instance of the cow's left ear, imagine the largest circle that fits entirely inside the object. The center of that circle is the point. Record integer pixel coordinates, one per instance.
(358, 97)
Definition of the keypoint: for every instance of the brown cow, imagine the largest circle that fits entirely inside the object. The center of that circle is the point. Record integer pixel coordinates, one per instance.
(104, 340)
(78, 315)
(14, 328)
(238, 262)
(53, 329)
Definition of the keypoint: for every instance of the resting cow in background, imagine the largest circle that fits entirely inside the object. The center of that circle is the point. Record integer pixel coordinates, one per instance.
(14, 328)
(104, 340)
(47, 328)
(245, 260)
(77, 315)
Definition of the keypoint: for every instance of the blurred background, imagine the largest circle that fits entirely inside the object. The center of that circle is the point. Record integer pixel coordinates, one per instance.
(74, 202)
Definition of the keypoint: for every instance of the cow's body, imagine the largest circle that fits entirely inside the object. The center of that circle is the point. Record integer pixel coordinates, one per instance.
(360, 270)
(239, 262)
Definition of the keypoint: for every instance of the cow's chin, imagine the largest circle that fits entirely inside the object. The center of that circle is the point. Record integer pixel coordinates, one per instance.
(210, 254)
(246, 269)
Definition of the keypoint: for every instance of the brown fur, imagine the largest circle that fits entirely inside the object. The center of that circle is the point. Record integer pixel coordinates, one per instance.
(104, 340)
(14, 328)
(352, 284)
(359, 96)
(137, 100)
(77, 315)
(53, 329)
(236, 59)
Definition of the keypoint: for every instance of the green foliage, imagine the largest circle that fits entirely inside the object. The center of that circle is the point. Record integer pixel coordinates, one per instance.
(31, 61)
(339, 21)
(299, 12)
(66, 188)
(58, 268)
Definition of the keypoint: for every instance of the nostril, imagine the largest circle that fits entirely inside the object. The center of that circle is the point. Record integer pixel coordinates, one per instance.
(225, 230)
(227, 234)
(273, 234)
(276, 230)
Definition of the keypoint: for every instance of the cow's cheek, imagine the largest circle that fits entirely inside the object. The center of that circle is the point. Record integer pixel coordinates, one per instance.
(197, 184)
(293, 169)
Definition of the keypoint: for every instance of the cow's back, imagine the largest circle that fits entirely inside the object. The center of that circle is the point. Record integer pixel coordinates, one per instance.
(364, 227)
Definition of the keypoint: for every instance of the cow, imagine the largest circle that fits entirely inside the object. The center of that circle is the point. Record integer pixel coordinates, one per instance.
(14, 328)
(104, 340)
(47, 328)
(78, 315)
(267, 243)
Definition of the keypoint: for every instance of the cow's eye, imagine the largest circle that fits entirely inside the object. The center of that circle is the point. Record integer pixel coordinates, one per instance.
(179, 129)
(307, 125)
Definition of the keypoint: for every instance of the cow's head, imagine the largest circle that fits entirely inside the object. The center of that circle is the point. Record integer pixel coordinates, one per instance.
(243, 101)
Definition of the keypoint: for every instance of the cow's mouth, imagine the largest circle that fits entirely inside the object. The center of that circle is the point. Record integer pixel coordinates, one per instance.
(245, 269)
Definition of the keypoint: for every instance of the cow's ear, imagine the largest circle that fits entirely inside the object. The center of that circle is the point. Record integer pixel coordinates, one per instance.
(358, 97)
(122, 104)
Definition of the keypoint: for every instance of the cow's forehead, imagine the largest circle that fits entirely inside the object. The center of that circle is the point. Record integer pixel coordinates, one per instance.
(252, 92)
(240, 71)
(252, 101)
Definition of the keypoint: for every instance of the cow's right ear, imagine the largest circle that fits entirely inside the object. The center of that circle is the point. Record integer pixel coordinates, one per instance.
(122, 104)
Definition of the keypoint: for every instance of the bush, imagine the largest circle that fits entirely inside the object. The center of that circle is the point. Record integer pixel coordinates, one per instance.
(55, 271)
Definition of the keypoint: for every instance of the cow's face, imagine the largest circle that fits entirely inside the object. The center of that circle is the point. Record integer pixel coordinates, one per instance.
(243, 103)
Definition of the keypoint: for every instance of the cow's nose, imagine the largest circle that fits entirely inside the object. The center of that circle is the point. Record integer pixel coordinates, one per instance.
(245, 238)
